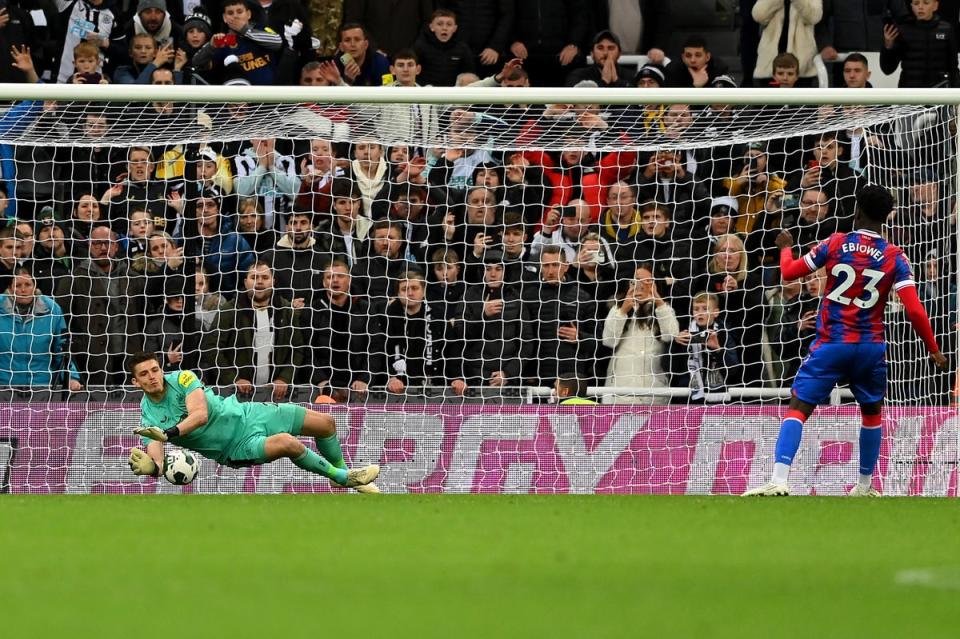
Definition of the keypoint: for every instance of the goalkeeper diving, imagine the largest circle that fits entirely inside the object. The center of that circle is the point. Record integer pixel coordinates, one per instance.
(177, 408)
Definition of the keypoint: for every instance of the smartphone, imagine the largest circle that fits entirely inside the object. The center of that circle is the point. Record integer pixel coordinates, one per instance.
(751, 164)
(813, 164)
(90, 78)
(346, 59)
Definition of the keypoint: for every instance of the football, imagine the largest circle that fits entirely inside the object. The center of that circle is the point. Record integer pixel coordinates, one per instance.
(180, 467)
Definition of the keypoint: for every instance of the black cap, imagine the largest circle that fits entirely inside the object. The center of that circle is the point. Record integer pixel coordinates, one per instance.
(607, 34)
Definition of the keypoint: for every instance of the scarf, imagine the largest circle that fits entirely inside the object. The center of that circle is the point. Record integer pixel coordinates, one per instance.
(369, 186)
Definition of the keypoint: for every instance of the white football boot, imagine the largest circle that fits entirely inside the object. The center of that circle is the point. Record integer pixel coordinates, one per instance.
(770, 489)
(860, 491)
(361, 476)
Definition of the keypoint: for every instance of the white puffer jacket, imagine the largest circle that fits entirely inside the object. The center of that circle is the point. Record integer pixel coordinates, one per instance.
(804, 15)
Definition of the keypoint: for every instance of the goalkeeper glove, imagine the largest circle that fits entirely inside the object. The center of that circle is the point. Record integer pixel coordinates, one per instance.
(157, 435)
(142, 464)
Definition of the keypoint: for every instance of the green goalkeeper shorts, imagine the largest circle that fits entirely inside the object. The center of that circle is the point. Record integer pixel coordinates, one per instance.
(262, 421)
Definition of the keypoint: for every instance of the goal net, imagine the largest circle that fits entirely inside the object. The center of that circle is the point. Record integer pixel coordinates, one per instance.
(431, 269)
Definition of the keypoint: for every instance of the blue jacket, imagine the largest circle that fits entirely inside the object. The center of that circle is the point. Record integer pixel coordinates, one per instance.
(226, 258)
(30, 345)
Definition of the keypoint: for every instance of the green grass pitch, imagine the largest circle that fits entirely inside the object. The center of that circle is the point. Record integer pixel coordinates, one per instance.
(477, 566)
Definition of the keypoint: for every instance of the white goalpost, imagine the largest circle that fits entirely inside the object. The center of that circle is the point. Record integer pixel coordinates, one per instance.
(432, 260)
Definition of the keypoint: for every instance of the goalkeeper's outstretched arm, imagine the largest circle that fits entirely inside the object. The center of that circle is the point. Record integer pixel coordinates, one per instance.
(196, 403)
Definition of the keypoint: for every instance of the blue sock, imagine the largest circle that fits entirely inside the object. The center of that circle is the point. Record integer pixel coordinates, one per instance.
(789, 440)
(870, 439)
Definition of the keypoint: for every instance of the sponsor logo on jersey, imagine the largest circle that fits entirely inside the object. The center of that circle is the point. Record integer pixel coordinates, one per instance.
(186, 378)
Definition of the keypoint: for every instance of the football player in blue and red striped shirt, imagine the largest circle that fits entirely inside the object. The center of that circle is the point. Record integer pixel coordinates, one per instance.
(861, 268)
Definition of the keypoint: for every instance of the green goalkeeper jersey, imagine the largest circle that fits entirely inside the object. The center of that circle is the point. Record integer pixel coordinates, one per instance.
(225, 417)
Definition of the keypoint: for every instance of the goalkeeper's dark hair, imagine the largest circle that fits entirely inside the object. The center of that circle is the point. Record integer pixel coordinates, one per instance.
(139, 358)
(874, 202)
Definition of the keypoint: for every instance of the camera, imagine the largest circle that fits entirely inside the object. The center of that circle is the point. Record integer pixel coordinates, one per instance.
(699, 337)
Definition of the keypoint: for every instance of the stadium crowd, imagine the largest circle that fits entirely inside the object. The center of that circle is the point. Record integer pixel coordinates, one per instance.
(349, 266)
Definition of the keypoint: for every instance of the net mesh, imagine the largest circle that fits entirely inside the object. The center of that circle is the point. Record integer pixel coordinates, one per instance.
(461, 255)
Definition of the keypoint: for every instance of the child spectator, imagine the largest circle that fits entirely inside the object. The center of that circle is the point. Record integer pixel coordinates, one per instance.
(88, 20)
(711, 350)
(442, 56)
(256, 49)
(786, 71)
(697, 67)
(86, 64)
(924, 46)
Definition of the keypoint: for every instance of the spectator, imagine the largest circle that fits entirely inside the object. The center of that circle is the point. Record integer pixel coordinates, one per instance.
(139, 229)
(697, 67)
(34, 26)
(250, 225)
(343, 330)
(739, 294)
(441, 54)
(86, 20)
(317, 173)
(256, 50)
(493, 319)
(166, 332)
(712, 350)
(369, 171)
(163, 261)
(447, 290)
(416, 349)
(51, 259)
(358, 64)
(548, 37)
(815, 220)
(560, 331)
(208, 305)
(136, 188)
(144, 54)
(791, 324)
(786, 71)
(620, 223)
(827, 172)
(639, 328)
(665, 179)
(409, 208)
(786, 27)
(392, 26)
(856, 72)
(666, 251)
(151, 18)
(605, 70)
(752, 185)
(197, 31)
(34, 339)
(854, 26)
(257, 343)
(86, 64)
(923, 46)
(297, 265)
(86, 213)
(224, 253)
(103, 301)
(723, 213)
(272, 176)
(8, 256)
(379, 270)
(485, 27)
(291, 19)
(345, 234)
(566, 228)
(213, 172)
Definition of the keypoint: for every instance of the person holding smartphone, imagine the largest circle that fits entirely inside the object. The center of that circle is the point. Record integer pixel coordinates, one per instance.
(359, 65)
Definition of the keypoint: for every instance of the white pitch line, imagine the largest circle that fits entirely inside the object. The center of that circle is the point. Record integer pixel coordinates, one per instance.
(936, 578)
